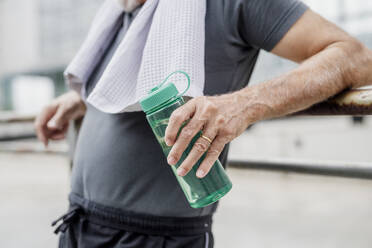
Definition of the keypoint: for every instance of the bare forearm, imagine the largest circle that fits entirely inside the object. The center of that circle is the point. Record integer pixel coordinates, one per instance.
(332, 61)
(340, 66)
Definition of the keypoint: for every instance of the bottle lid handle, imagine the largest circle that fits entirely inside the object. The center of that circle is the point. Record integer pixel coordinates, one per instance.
(175, 72)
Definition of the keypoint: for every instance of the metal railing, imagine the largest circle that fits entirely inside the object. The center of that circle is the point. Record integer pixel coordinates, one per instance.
(10, 117)
(356, 102)
(324, 168)
(351, 103)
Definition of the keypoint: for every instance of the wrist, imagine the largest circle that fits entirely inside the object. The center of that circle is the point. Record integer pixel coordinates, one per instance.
(253, 103)
(72, 102)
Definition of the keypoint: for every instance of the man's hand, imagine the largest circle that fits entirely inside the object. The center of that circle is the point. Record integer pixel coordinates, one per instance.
(220, 118)
(52, 122)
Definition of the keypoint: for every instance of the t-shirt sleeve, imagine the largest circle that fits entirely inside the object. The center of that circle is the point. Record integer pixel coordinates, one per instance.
(263, 23)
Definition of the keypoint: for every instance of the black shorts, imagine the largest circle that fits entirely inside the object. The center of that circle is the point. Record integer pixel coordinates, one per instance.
(90, 225)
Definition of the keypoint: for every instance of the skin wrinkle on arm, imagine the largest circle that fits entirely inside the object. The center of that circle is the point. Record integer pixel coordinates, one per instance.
(327, 73)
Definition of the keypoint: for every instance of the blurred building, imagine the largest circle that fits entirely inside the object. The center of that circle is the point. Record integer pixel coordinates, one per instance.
(39, 37)
(42, 34)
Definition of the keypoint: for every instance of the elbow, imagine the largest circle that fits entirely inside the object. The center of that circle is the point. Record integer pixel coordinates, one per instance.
(357, 63)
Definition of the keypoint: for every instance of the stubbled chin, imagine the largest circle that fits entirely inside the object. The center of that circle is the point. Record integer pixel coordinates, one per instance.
(129, 5)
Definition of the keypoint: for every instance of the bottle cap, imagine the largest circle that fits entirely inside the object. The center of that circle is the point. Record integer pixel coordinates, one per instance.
(158, 95)
(162, 93)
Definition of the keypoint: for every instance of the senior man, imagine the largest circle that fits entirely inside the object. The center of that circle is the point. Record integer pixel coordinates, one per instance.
(123, 194)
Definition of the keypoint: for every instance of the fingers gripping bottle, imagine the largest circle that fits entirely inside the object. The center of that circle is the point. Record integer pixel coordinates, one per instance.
(158, 106)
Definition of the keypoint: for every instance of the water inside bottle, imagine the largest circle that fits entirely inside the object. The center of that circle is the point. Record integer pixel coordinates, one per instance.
(206, 187)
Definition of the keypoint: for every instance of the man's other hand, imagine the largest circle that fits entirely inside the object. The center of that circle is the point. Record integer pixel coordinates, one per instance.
(52, 122)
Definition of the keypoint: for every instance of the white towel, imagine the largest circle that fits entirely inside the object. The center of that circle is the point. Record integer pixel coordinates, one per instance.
(165, 36)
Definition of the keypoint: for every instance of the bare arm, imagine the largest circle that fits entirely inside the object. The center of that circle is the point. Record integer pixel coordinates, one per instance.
(331, 61)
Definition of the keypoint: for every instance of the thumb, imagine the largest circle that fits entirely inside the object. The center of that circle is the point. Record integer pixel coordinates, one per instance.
(59, 120)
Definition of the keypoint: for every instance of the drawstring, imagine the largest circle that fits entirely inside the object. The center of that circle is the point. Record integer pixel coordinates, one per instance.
(67, 219)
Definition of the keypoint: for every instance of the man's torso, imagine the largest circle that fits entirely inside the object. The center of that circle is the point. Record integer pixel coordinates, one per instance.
(118, 161)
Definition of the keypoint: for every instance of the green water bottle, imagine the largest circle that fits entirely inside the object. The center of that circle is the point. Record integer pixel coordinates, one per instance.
(158, 106)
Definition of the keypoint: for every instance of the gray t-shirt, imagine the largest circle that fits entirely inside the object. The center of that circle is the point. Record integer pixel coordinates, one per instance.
(118, 162)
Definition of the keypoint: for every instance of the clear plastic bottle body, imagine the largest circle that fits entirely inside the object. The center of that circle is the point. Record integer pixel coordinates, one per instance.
(199, 192)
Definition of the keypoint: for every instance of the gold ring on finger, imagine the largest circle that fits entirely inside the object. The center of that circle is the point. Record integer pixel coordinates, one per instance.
(207, 139)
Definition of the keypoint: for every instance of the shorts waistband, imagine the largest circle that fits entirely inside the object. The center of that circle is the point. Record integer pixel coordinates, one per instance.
(147, 224)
